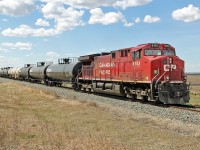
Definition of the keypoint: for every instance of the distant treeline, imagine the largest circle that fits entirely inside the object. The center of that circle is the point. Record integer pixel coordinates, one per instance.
(192, 73)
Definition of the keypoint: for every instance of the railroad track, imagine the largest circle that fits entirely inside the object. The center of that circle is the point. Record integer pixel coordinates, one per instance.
(187, 108)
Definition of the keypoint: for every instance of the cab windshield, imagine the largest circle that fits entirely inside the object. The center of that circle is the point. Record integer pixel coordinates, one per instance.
(157, 52)
(169, 53)
(152, 52)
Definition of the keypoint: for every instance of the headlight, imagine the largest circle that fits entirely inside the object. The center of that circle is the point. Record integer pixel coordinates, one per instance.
(155, 71)
(185, 77)
(167, 77)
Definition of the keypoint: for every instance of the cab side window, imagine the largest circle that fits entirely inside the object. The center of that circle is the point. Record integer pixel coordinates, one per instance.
(136, 54)
(124, 53)
(113, 55)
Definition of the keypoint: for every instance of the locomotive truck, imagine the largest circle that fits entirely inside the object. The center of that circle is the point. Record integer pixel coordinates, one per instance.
(150, 72)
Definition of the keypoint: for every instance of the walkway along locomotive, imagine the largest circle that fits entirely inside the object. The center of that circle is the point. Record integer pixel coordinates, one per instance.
(150, 72)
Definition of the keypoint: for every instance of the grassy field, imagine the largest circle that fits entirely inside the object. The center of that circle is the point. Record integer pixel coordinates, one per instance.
(35, 119)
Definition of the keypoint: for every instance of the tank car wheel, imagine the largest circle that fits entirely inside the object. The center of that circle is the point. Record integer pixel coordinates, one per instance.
(46, 83)
(89, 90)
(145, 98)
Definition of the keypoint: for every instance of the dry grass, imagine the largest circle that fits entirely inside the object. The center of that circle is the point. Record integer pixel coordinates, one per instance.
(195, 99)
(194, 80)
(35, 119)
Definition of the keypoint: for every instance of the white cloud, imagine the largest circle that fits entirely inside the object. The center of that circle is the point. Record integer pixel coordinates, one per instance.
(104, 18)
(16, 7)
(150, 19)
(87, 4)
(24, 31)
(52, 54)
(130, 3)
(18, 45)
(91, 4)
(41, 22)
(66, 19)
(99, 17)
(137, 20)
(128, 24)
(187, 14)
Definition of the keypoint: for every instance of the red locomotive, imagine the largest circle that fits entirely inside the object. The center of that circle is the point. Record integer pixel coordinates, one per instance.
(148, 71)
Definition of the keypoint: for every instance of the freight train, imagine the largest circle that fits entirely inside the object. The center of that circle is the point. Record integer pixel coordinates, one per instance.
(150, 72)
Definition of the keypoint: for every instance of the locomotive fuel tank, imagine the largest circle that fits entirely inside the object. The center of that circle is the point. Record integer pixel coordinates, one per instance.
(63, 72)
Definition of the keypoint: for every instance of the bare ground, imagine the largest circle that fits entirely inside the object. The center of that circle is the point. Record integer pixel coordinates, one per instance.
(35, 119)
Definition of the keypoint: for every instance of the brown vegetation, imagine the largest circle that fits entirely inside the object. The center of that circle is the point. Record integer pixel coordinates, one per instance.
(194, 80)
(35, 119)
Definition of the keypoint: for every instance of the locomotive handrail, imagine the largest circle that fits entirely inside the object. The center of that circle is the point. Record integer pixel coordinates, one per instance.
(156, 75)
(152, 84)
(78, 75)
(159, 79)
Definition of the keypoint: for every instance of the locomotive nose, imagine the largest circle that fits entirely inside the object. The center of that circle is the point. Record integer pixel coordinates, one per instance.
(173, 93)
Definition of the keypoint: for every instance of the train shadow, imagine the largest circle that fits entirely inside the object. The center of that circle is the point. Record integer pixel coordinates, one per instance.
(186, 106)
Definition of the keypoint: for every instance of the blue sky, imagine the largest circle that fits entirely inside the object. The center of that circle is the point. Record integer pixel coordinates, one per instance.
(45, 30)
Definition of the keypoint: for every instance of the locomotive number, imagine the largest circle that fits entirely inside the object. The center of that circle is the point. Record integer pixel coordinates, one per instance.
(104, 71)
(136, 63)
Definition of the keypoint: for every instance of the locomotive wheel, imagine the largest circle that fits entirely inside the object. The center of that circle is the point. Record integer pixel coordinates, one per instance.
(134, 97)
(130, 96)
(157, 102)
